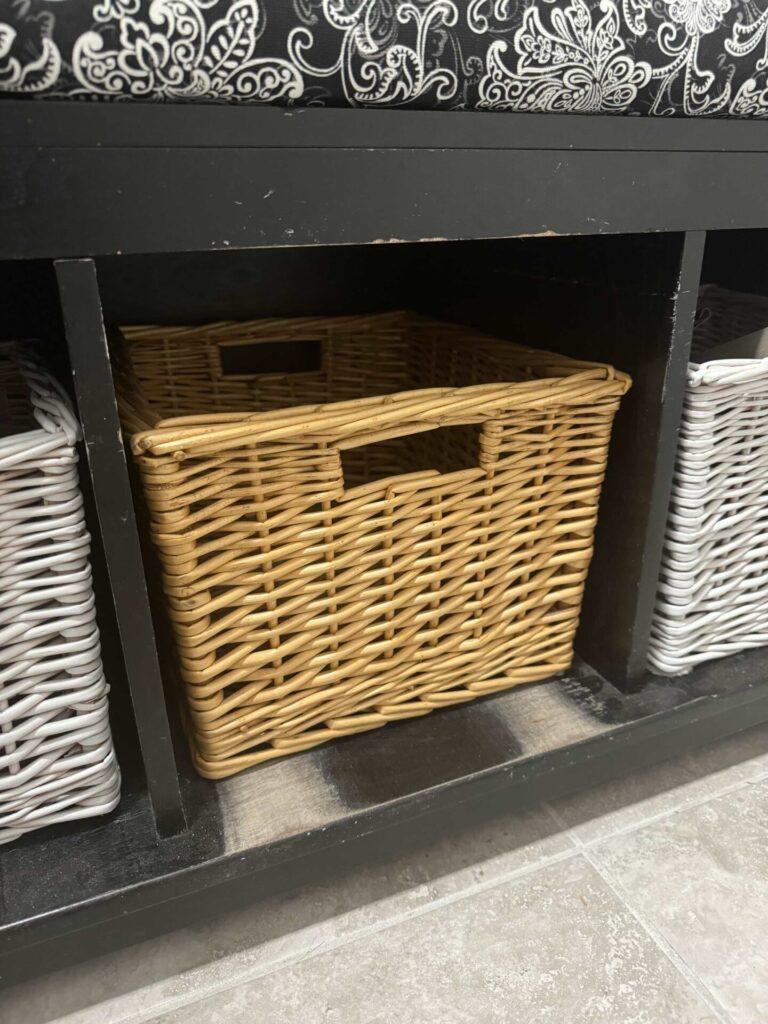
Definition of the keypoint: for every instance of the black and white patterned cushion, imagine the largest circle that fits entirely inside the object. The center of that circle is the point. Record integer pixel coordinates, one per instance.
(659, 57)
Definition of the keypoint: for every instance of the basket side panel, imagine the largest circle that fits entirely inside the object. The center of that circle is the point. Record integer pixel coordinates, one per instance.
(361, 357)
(57, 762)
(713, 591)
(178, 375)
(304, 613)
(15, 407)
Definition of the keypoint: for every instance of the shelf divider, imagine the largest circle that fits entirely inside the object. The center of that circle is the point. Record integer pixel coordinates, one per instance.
(97, 405)
(618, 605)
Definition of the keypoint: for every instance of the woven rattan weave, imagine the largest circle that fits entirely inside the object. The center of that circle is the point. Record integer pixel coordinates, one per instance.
(420, 541)
(57, 762)
(713, 589)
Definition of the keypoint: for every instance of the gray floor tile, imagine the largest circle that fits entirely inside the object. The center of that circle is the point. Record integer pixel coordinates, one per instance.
(700, 878)
(555, 946)
(119, 987)
(699, 775)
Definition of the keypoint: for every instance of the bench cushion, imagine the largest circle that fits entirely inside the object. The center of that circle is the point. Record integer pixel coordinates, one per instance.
(657, 57)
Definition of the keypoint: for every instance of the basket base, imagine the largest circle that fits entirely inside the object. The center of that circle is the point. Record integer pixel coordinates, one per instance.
(224, 767)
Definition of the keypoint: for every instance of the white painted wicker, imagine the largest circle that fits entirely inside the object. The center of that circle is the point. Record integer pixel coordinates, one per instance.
(57, 762)
(713, 590)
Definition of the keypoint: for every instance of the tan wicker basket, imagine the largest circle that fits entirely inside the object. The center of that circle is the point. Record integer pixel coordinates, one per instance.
(420, 541)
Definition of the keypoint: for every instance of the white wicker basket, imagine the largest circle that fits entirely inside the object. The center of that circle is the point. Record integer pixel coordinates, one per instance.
(713, 590)
(57, 762)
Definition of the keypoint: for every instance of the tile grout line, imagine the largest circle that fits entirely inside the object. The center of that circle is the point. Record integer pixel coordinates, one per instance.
(578, 847)
(468, 892)
(665, 947)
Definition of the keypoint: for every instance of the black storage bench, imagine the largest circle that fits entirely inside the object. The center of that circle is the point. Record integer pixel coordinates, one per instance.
(459, 159)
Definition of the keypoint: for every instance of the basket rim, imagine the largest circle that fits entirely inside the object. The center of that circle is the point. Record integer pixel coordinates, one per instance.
(338, 420)
(47, 403)
(263, 325)
(717, 290)
(572, 381)
(727, 371)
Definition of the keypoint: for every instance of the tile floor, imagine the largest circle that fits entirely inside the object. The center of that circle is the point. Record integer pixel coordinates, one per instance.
(643, 901)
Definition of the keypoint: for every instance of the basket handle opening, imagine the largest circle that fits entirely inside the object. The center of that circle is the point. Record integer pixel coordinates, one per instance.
(419, 451)
(260, 357)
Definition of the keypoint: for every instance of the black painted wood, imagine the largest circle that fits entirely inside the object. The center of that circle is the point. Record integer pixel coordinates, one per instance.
(189, 288)
(737, 260)
(618, 605)
(79, 179)
(77, 202)
(72, 893)
(28, 302)
(198, 125)
(97, 407)
(86, 179)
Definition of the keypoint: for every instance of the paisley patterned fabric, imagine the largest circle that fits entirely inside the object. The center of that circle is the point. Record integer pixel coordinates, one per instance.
(658, 57)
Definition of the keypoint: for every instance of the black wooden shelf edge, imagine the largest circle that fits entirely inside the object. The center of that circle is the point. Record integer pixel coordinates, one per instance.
(72, 124)
(88, 179)
(286, 823)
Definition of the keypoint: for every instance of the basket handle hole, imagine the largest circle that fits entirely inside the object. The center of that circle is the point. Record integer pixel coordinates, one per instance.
(444, 449)
(268, 355)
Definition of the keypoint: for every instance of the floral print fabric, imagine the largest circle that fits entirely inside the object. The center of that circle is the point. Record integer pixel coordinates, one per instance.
(659, 57)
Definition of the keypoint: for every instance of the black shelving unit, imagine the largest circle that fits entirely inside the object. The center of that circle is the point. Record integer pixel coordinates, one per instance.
(590, 235)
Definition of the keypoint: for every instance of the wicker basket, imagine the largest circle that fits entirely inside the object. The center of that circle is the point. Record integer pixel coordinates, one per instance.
(713, 590)
(420, 541)
(57, 762)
